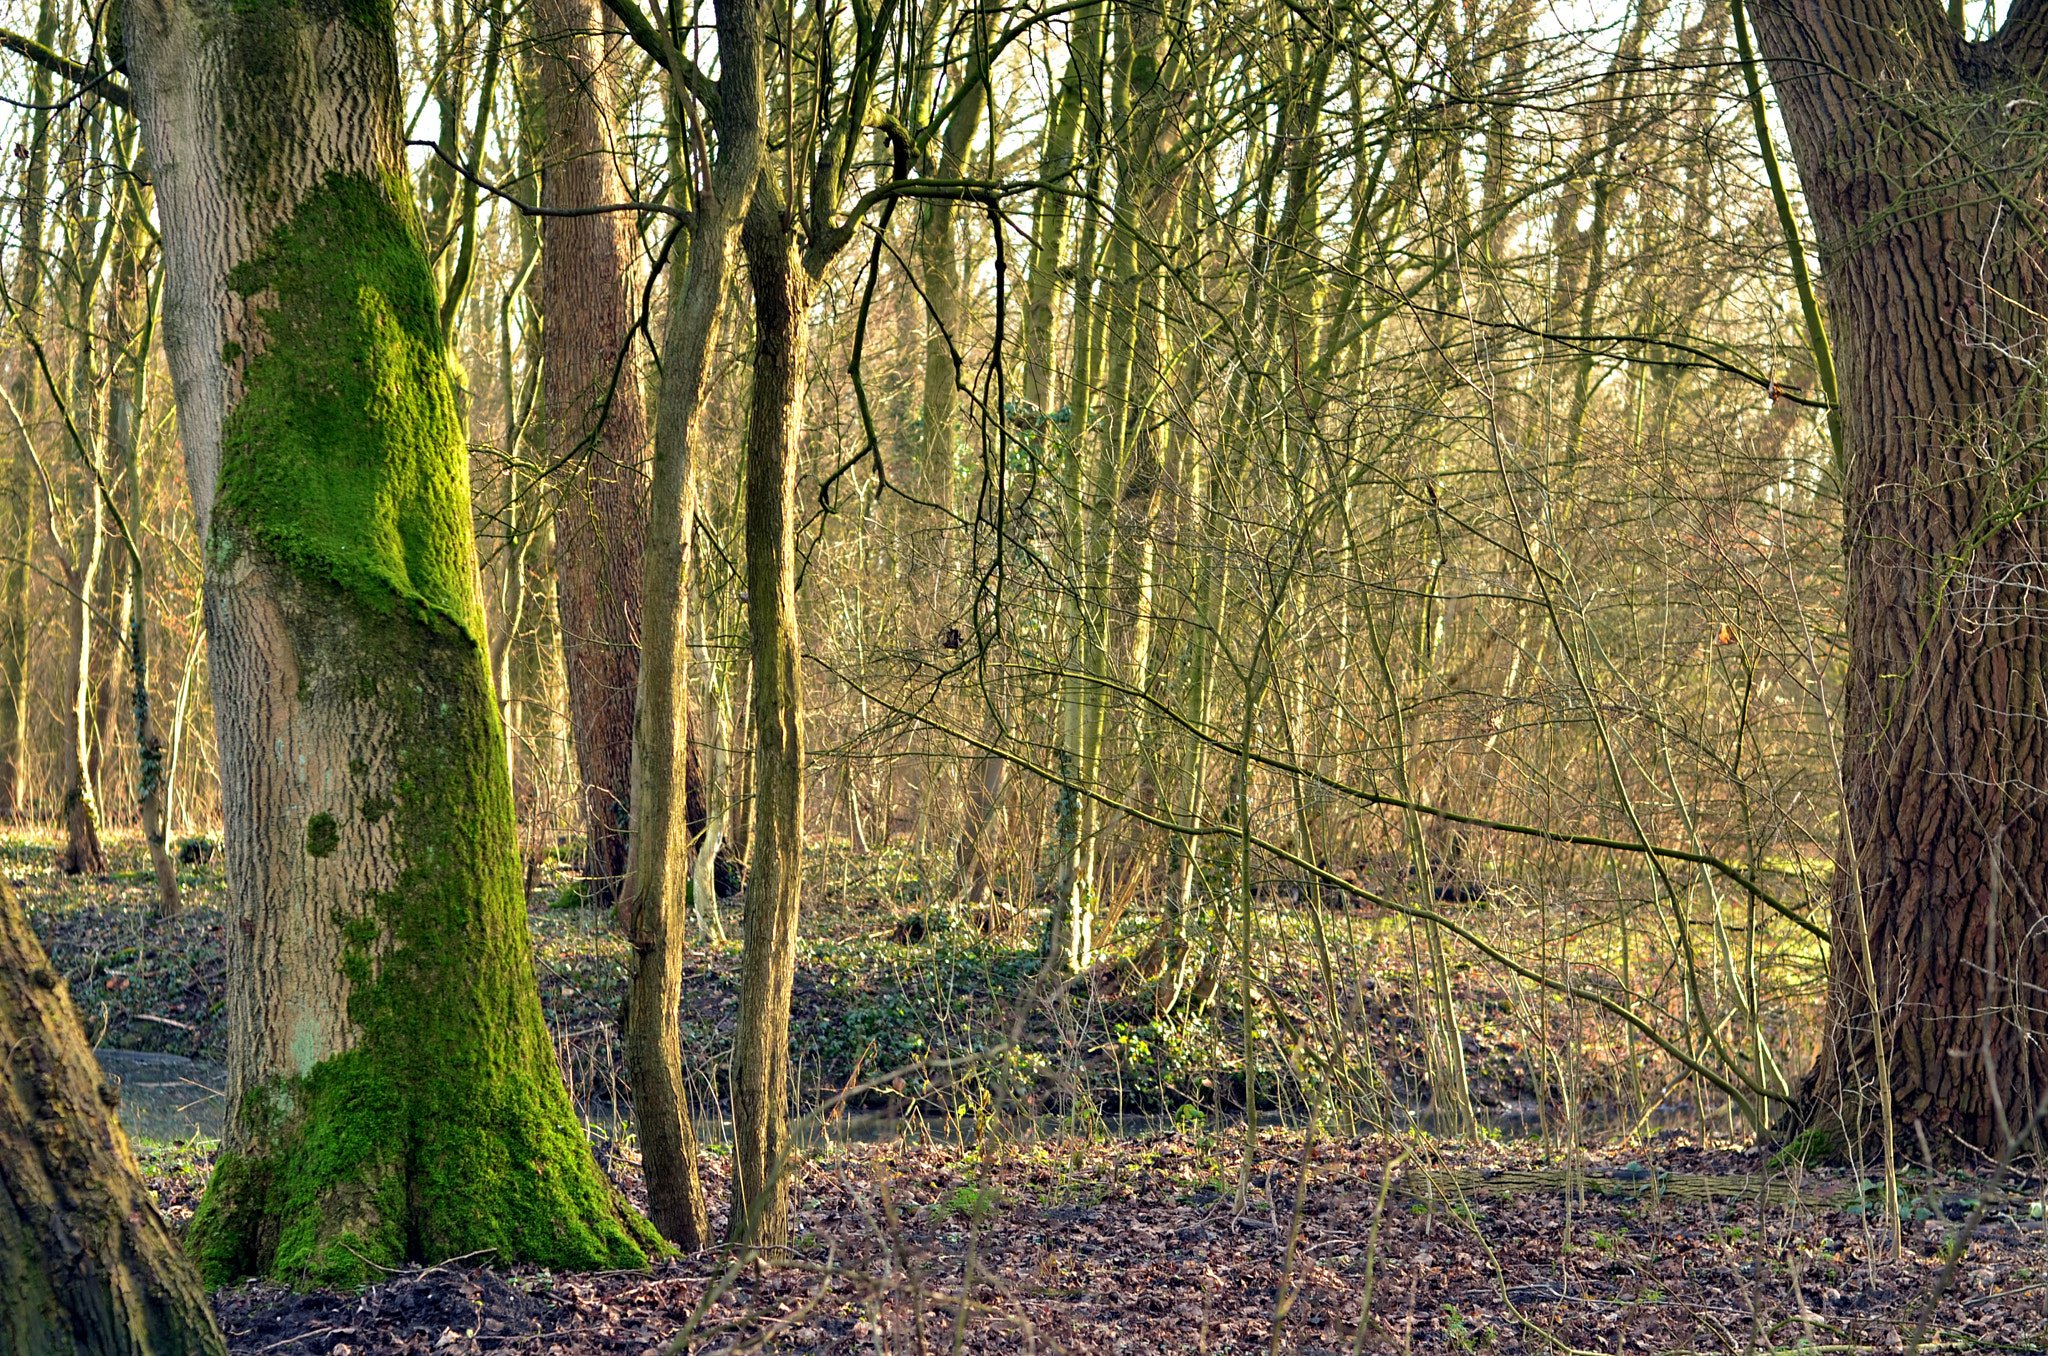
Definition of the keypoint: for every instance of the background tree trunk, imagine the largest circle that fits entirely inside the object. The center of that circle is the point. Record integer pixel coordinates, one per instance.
(17, 514)
(83, 855)
(87, 1265)
(596, 422)
(1936, 296)
(395, 1094)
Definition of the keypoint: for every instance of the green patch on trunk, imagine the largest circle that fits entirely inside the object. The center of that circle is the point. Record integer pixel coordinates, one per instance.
(337, 460)
(444, 1129)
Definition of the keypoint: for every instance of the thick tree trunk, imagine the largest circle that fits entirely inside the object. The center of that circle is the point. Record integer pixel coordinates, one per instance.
(87, 1266)
(596, 424)
(393, 1089)
(1936, 292)
(655, 909)
(760, 1059)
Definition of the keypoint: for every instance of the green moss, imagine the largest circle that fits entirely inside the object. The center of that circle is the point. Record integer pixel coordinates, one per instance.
(335, 460)
(445, 1129)
(323, 835)
(1816, 1144)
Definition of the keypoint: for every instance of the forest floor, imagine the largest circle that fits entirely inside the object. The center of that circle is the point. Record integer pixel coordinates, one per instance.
(1138, 1246)
(1104, 1212)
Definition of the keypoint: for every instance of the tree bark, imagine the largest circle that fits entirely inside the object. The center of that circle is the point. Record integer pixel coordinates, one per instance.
(1936, 293)
(394, 1095)
(87, 1265)
(655, 908)
(596, 425)
(760, 1059)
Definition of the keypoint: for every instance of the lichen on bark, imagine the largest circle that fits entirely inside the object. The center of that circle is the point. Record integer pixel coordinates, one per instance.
(440, 1126)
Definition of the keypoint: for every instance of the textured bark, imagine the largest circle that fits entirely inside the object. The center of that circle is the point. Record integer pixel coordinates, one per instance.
(655, 909)
(596, 424)
(87, 1266)
(760, 1059)
(394, 1092)
(1936, 288)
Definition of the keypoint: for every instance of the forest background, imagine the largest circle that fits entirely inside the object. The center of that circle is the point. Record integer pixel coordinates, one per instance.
(1322, 529)
(1303, 424)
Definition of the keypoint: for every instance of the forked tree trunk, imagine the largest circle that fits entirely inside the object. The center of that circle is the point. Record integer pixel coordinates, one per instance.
(596, 424)
(760, 1057)
(1937, 286)
(87, 1266)
(394, 1095)
(655, 908)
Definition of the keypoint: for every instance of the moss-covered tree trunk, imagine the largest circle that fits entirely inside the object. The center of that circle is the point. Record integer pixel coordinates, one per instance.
(760, 1057)
(87, 1267)
(393, 1093)
(597, 430)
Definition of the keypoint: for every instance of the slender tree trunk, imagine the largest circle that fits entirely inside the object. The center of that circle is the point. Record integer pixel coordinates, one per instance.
(83, 855)
(394, 1095)
(87, 1265)
(1048, 229)
(86, 582)
(938, 254)
(717, 742)
(655, 907)
(596, 421)
(17, 517)
(131, 332)
(760, 1060)
(1928, 246)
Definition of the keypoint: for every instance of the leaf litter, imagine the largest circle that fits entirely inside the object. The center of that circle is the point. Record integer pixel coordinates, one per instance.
(1138, 1246)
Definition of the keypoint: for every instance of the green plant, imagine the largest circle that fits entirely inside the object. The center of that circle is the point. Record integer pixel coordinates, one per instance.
(976, 1203)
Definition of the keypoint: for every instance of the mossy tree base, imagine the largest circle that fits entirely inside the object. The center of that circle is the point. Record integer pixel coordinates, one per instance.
(443, 1128)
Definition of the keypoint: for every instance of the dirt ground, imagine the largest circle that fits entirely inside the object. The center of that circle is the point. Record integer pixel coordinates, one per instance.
(1138, 1247)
